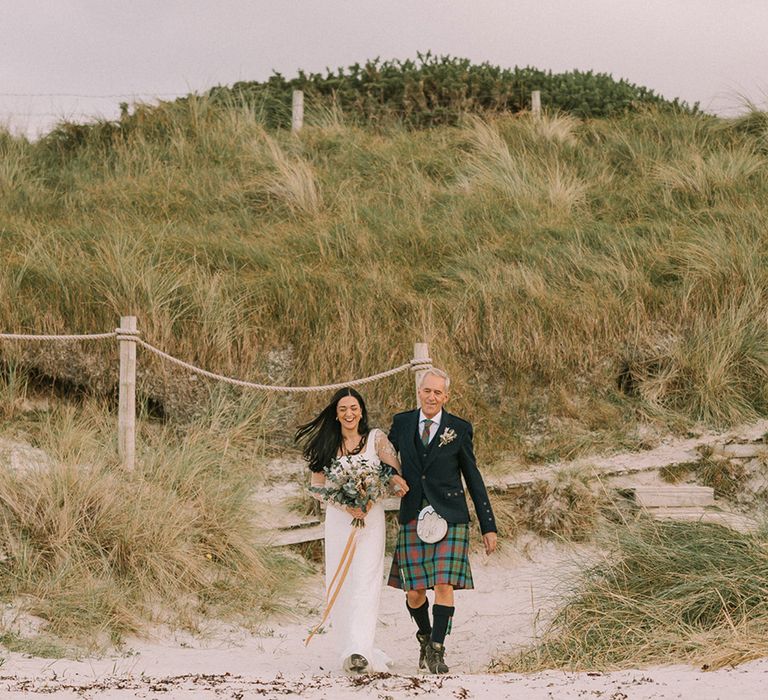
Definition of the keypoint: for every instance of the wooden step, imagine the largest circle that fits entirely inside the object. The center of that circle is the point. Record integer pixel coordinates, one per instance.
(742, 450)
(391, 503)
(309, 530)
(297, 535)
(681, 496)
(735, 521)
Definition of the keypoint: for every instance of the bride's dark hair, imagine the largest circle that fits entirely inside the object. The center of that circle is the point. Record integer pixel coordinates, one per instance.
(321, 437)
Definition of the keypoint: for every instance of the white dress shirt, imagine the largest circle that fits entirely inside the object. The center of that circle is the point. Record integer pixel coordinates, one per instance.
(432, 428)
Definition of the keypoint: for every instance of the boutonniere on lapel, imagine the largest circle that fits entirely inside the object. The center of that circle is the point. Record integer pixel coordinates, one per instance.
(448, 435)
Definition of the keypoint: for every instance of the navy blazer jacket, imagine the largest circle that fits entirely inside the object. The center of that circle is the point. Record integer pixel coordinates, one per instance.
(435, 472)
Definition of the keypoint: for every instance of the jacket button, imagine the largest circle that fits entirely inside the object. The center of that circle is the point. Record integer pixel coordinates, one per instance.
(423, 477)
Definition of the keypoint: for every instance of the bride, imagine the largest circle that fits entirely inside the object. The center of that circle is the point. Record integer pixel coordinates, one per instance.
(341, 431)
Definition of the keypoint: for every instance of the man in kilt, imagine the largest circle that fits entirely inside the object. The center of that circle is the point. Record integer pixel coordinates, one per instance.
(435, 452)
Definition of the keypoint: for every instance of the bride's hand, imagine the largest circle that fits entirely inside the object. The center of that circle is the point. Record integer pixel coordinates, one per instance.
(355, 512)
(399, 485)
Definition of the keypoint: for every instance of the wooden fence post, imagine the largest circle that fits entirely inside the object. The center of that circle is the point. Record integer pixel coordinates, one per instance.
(126, 418)
(536, 104)
(297, 111)
(420, 352)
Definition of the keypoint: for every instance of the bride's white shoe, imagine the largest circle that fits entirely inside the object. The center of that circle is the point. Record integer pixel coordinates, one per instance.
(356, 663)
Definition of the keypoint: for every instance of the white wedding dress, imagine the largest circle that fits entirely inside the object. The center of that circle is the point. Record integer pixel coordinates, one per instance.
(355, 613)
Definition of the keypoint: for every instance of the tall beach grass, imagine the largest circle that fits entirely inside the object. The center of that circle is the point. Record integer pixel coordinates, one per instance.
(662, 592)
(591, 274)
(97, 553)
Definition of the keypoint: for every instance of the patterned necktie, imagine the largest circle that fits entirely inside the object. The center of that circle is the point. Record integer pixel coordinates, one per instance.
(425, 431)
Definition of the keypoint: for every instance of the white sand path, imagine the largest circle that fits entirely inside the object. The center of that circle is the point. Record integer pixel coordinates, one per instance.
(513, 597)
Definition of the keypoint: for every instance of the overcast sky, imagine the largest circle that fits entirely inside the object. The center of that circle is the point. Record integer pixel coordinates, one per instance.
(80, 58)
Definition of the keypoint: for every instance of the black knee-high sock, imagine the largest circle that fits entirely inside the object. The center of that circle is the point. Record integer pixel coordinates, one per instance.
(442, 615)
(420, 616)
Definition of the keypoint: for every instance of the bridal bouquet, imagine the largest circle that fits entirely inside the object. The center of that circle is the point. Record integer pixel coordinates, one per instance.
(356, 483)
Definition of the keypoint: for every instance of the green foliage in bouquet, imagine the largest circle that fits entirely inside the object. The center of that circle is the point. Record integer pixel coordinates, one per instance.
(353, 483)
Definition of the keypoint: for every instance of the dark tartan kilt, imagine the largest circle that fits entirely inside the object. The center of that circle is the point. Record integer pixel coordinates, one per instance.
(417, 565)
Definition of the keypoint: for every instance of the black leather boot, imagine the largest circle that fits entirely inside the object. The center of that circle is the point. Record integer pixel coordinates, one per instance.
(436, 658)
(423, 642)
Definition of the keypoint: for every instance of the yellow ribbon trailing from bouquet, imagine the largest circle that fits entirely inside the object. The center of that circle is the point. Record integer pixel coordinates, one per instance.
(341, 570)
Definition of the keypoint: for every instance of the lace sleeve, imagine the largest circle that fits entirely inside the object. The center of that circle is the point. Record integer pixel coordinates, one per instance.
(386, 451)
(317, 479)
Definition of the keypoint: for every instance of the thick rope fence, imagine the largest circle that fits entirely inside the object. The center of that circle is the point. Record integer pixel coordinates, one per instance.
(284, 389)
(129, 338)
(86, 336)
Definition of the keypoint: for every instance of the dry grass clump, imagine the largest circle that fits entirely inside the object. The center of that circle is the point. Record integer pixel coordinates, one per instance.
(292, 182)
(715, 364)
(13, 390)
(97, 553)
(728, 477)
(704, 175)
(725, 476)
(664, 592)
(526, 181)
(678, 472)
(754, 123)
(566, 506)
(21, 186)
(557, 128)
(508, 514)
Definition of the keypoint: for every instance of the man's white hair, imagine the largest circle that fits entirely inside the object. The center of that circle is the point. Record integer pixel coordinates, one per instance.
(434, 371)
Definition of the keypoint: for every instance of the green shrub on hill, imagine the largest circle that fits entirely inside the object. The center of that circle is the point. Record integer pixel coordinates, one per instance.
(428, 92)
(435, 90)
